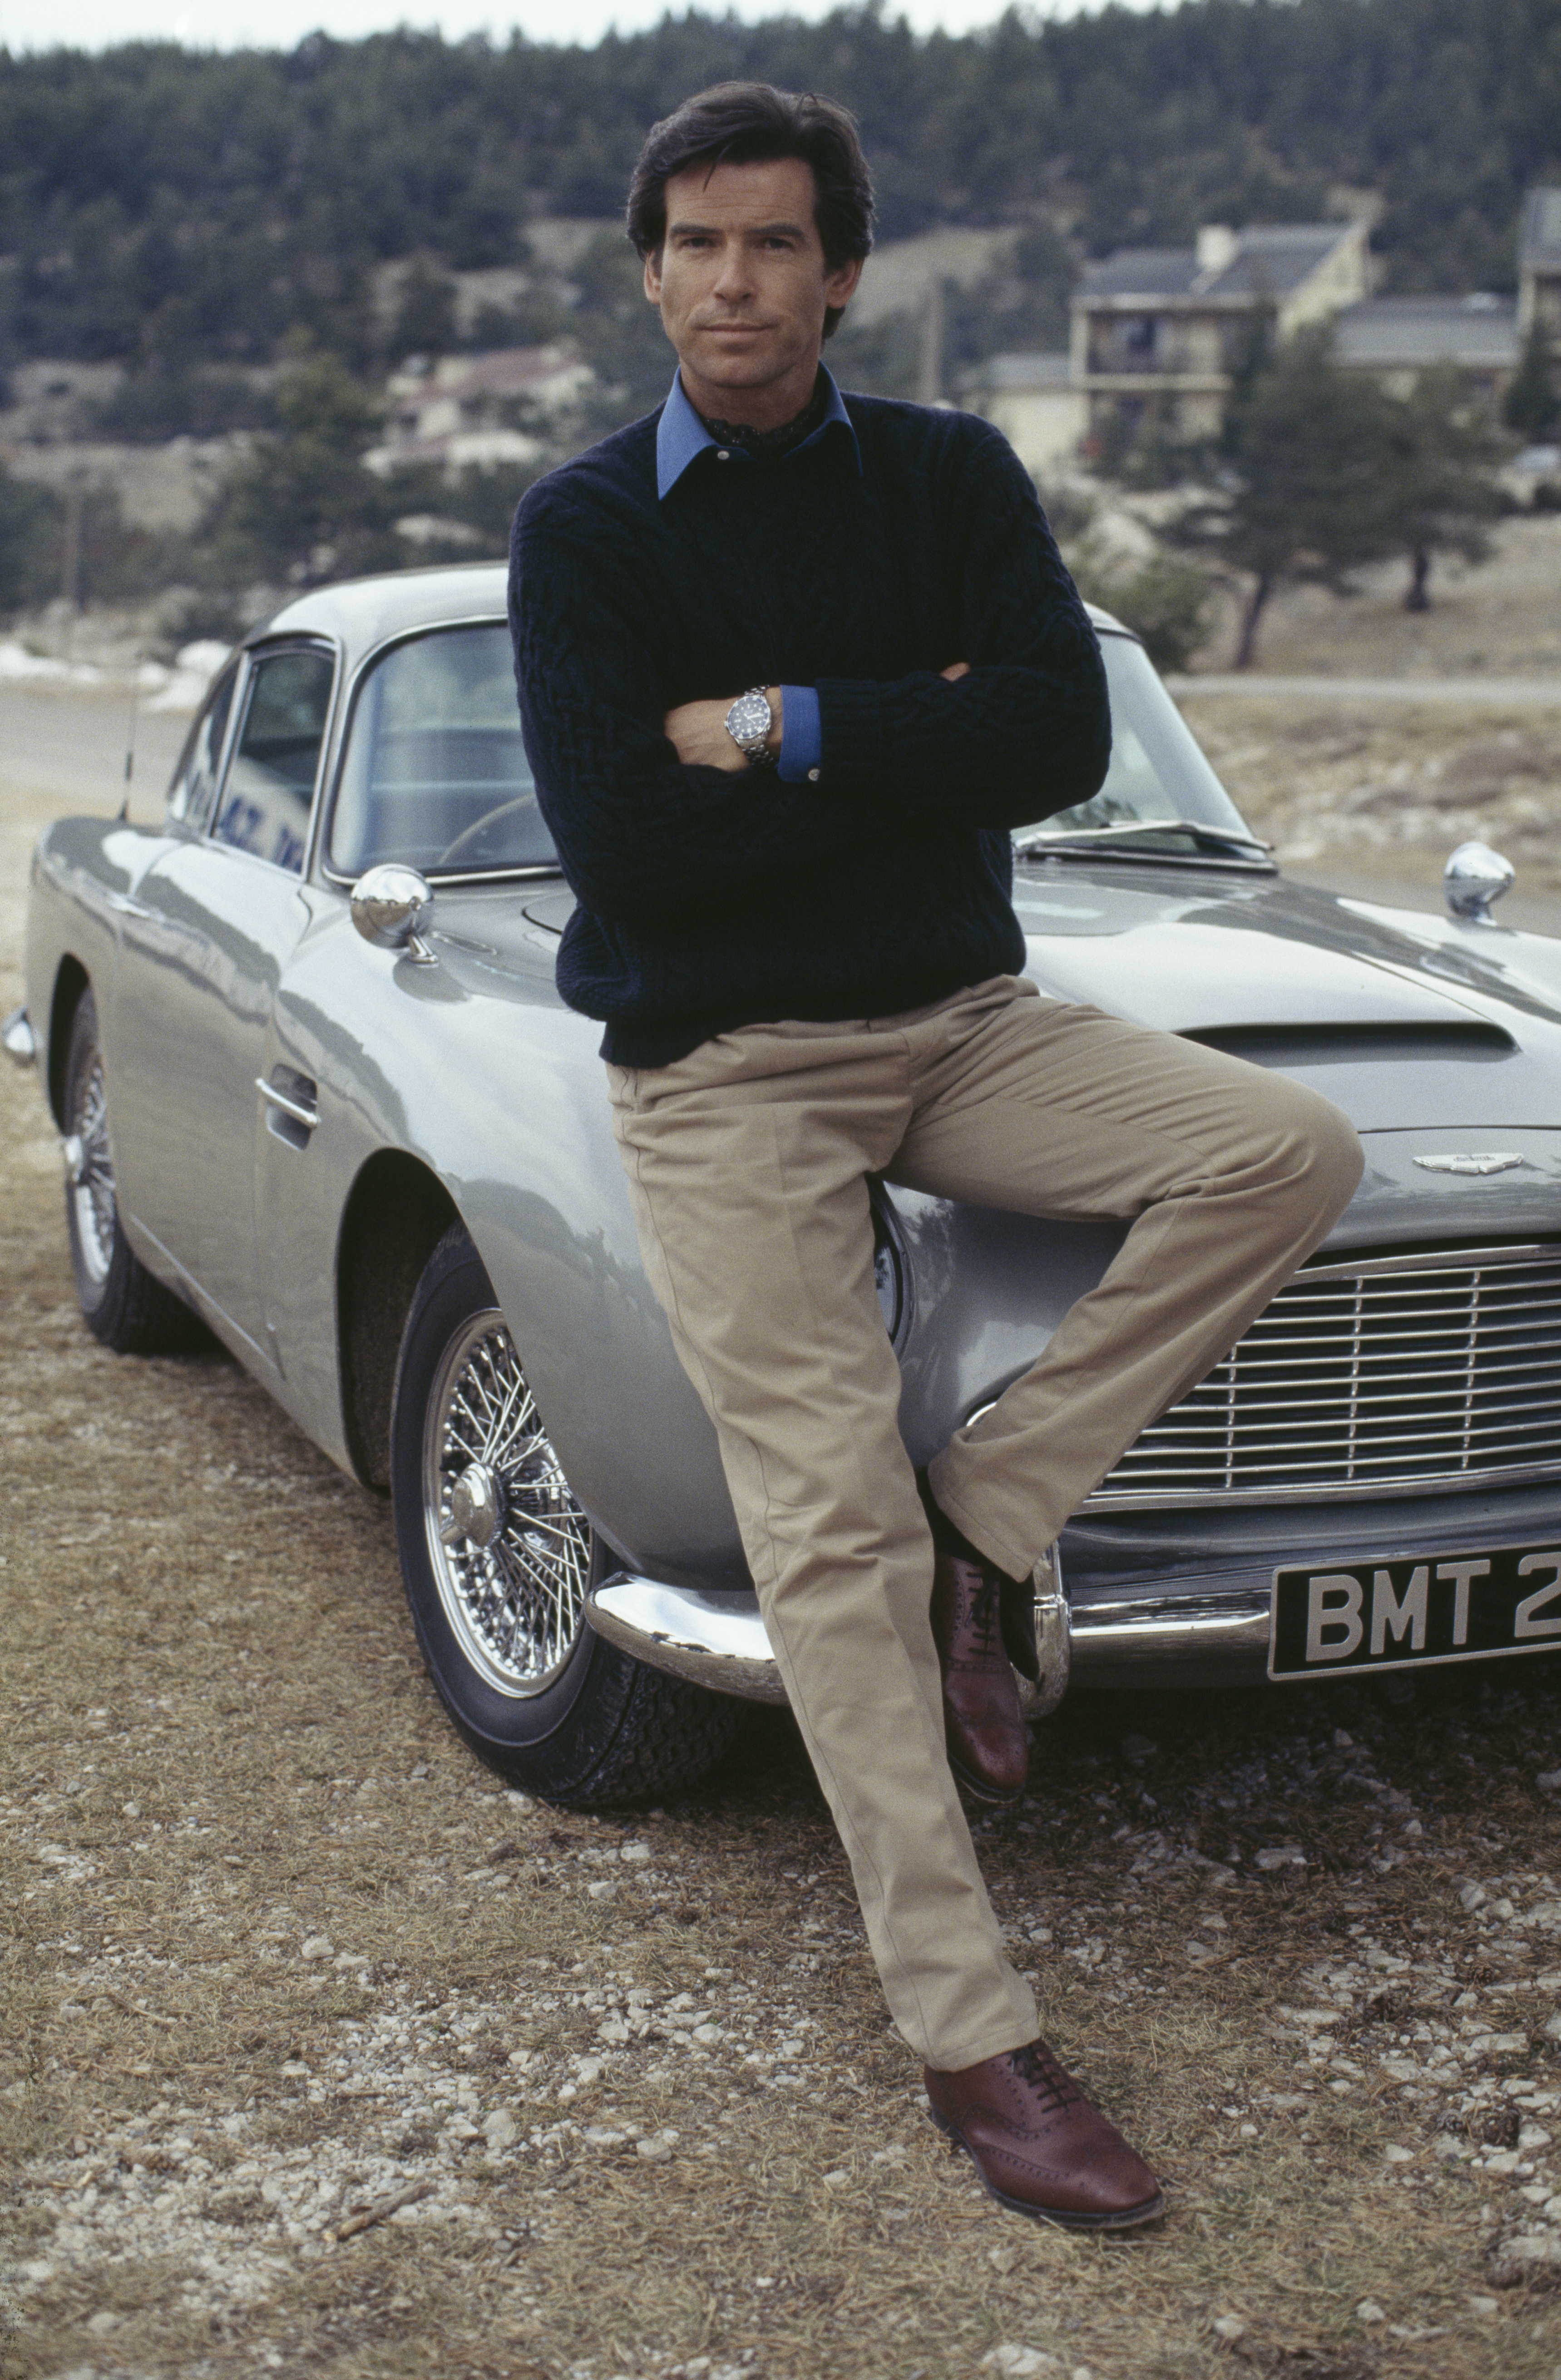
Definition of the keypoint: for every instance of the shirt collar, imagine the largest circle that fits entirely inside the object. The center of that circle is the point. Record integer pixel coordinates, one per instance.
(680, 435)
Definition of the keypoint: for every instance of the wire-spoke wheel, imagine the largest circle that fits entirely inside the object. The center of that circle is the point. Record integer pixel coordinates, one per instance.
(510, 1546)
(497, 1555)
(120, 1302)
(89, 1172)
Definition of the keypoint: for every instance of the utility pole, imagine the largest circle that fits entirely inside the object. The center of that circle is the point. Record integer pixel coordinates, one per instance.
(70, 575)
(929, 380)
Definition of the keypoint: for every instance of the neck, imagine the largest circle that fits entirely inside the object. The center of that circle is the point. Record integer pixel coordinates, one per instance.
(761, 439)
(769, 407)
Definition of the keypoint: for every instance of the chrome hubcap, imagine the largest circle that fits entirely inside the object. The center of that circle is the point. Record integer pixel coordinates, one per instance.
(510, 1546)
(477, 1507)
(90, 1174)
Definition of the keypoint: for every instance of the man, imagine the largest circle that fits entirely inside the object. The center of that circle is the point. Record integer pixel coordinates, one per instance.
(791, 667)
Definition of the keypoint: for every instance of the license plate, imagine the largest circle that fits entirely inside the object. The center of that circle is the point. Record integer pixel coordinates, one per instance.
(1414, 1611)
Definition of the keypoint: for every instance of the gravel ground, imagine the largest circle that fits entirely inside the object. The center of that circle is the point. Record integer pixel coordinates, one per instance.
(320, 2052)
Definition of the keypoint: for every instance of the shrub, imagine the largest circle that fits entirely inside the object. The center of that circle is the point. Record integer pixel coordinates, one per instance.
(1163, 601)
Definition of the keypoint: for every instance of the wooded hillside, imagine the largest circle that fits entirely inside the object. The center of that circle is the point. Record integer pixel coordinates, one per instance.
(161, 203)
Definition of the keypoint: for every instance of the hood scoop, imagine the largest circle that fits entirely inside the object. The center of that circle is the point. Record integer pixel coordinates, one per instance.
(1365, 1041)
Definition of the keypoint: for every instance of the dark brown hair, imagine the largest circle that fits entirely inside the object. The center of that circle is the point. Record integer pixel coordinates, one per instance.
(742, 123)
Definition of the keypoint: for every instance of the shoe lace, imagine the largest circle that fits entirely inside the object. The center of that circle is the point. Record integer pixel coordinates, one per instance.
(986, 1610)
(1054, 2087)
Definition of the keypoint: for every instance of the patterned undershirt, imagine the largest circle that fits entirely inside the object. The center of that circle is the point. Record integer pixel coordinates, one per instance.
(768, 445)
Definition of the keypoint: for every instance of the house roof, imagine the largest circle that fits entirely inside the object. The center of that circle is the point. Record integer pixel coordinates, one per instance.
(1273, 259)
(1268, 261)
(1049, 371)
(1141, 272)
(1479, 332)
(510, 371)
(1539, 240)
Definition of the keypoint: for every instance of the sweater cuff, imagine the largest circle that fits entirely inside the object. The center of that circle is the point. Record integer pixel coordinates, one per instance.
(800, 740)
(851, 734)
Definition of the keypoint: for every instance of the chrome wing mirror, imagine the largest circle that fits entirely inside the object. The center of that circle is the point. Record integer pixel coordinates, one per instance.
(1472, 878)
(389, 907)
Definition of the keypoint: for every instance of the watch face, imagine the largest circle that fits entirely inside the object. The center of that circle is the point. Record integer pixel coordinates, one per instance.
(748, 718)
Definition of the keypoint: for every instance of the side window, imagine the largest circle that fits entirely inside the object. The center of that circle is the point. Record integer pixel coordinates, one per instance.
(269, 782)
(195, 779)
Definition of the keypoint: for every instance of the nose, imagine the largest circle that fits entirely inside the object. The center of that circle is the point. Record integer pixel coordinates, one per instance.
(733, 281)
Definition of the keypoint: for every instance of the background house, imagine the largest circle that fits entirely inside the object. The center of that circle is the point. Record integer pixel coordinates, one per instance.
(1539, 264)
(1034, 402)
(1157, 331)
(466, 409)
(1395, 339)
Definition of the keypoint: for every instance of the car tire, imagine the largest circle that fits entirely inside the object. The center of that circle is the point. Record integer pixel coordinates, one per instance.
(121, 1303)
(497, 1555)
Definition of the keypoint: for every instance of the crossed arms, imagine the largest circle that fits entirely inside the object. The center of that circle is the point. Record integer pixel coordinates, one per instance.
(654, 810)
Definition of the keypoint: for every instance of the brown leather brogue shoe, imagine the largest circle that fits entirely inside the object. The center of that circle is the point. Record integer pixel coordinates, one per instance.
(989, 1749)
(1040, 2146)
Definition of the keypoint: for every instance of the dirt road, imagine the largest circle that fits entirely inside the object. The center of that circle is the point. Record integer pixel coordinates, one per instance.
(321, 2053)
(1456, 693)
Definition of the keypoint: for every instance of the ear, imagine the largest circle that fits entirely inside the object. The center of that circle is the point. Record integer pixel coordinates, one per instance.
(653, 276)
(840, 285)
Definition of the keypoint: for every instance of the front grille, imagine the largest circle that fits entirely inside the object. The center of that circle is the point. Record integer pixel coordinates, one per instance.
(1377, 1377)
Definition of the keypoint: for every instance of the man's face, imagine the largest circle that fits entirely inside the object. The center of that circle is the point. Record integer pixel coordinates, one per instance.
(743, 285)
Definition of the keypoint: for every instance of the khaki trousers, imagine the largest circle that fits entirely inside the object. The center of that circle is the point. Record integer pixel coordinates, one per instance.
(748, 1164)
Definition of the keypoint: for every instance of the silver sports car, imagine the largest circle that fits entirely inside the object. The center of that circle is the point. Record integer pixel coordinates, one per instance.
(316, 1092)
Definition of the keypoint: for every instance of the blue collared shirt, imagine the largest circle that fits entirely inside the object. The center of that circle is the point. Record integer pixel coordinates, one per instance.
(680, 436)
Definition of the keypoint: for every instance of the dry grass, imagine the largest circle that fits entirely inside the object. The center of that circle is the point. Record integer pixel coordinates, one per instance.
(276, 1953)
(1390, 787)
(1500, 616)
(1383, 791)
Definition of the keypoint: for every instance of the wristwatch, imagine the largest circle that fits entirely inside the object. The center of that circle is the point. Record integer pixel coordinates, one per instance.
(749, 723)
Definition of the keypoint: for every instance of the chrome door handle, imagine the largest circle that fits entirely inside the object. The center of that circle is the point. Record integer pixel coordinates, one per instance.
(301, 1114)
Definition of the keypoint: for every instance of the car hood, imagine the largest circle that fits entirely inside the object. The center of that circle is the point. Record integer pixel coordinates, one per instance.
(1409, 1022)
(1406, 1021)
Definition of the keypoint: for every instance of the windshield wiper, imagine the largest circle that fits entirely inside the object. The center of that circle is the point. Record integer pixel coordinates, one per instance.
(1093, 838)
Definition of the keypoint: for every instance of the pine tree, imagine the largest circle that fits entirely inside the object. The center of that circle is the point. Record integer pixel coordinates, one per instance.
(30, 522)
(425, 314)
(1441, 493)
(302, 506)
(1532, 405)
(1305, 467)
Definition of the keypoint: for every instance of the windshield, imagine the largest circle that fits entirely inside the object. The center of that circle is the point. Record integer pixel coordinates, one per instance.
(435, 773)
(1157, 772)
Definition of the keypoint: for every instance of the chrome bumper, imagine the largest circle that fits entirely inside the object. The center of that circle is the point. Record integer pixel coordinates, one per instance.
(720, 1642)
(17, 1038)
(1113, 1640)
(712, 1640)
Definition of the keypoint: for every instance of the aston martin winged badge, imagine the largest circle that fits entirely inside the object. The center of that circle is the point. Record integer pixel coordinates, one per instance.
(1478, 1160)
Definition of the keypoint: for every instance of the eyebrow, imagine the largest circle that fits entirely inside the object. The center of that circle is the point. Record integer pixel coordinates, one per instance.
(761, 230)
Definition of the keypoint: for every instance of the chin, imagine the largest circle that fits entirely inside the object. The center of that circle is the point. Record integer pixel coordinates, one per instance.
(726, 371)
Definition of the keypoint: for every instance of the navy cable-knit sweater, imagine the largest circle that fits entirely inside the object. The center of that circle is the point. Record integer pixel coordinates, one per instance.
(709, 899)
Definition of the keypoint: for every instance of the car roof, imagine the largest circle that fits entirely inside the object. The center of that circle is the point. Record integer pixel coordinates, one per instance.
(362, 613)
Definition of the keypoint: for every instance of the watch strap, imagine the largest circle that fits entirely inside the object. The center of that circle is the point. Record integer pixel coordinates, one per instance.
(749, 722)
